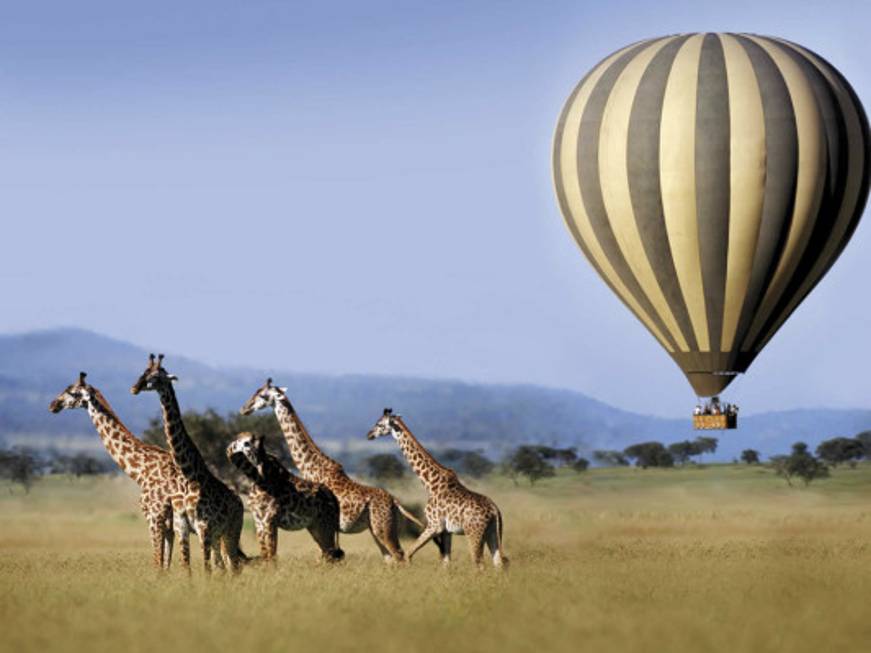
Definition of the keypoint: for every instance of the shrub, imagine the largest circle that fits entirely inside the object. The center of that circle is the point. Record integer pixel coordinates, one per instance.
(385, 467)
(527, 461)
(649, 454)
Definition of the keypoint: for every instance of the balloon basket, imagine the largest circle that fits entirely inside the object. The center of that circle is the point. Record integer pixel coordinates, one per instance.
(714, 422)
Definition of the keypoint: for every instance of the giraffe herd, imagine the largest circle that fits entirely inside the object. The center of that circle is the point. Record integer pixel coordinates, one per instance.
(180, 495)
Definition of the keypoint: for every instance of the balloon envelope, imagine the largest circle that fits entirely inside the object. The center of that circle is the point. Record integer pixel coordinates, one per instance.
(712, 180)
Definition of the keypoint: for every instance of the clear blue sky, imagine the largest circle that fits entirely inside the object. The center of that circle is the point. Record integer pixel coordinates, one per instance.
(360, 187)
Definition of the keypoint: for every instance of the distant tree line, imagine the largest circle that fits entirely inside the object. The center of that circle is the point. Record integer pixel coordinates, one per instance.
(656, 454)
(20, 466)
(538, 461)
(799, 464)
(803, 465)
(212, 432)
(24, 466)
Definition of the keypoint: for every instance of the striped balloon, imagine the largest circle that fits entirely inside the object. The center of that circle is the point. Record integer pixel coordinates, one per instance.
(712, 180)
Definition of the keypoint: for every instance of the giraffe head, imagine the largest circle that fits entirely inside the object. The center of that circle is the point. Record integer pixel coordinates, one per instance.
(265, 396)
(76, 395)
(154, 376)
(246, 451)
(388, 424)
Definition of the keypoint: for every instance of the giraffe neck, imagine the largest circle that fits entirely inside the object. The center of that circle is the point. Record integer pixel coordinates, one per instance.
(307, 457)
(128, 452)
(427, 468)
(184, 451)
(274, 473)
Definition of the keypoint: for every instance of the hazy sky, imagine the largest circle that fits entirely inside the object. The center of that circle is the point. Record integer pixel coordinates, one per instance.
(360, 187)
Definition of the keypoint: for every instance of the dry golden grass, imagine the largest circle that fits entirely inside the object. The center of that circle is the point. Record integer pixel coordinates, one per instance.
(716, 559)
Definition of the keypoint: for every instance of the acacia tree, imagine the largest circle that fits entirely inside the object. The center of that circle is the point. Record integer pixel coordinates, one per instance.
(841, 450)
(385, 467)
(476, 464)
(704, 444)
(555, 456)
(864, 438)
(750, 456)
(649, 454)
(801, 464)
(682, 451)
(19, 466)
(528, 461)
(581, 465)
(473, 463)
(780, 465)
(567, 457)
(610, 458)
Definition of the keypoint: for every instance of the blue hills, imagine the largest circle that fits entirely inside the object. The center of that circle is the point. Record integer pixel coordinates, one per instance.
(338, 410)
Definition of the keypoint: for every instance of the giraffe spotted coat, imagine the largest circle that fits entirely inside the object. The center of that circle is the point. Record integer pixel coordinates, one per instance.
(451, 507)
(163, 488)
(213, 510)
(279, 499)
(361, 506)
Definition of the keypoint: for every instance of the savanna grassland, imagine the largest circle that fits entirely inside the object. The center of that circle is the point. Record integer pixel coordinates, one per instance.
(723, 558)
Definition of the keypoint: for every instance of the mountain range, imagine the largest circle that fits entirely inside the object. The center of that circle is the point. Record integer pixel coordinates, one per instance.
(338, 410)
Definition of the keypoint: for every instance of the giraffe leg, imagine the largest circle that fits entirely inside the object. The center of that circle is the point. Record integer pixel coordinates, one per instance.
(272, 540)
(493, 537)
(263, 540)
(445, 547)
(230, 553)
(184, 539)
(168, 534)
(325, 535)
(168, 542)
(383, 549)
(382, 524)
(206, 546)
(156, 528)
(216, 551)
(230, 542)
(476, 545)
(424, 537)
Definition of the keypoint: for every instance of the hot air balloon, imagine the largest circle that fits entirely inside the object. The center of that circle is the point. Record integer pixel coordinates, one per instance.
(712, 180)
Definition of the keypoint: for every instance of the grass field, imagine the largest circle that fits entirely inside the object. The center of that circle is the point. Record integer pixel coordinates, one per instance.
(723, 558)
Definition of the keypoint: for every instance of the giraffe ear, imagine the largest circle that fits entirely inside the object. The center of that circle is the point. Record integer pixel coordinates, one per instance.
(283, 390)
(172, 377)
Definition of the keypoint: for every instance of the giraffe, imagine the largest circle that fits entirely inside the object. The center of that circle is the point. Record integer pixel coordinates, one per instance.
(451, 507)
(361, 506)
(279, 499)
(161, 483)
(214, 511)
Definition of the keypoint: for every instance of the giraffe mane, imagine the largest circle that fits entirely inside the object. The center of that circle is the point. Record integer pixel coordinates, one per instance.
(104, 405)
(107, 409)
(432, 459)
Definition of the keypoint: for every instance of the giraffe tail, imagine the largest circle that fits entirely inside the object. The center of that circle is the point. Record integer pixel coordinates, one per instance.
(437, 539)
(409, 515)
(501, 559)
